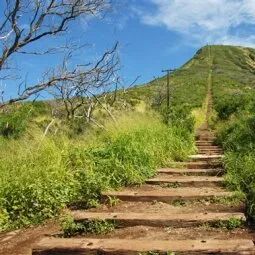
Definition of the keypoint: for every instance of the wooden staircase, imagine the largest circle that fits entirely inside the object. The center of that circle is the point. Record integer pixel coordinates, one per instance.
(180, 230)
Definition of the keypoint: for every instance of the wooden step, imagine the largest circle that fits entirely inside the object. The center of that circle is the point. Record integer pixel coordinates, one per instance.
(210, 152)
(207, 138)
(209, 147)
(188, 181)
(157, 219)
(216, 151)
(203, 165)
(206, 133)
(72, 246)
(212, 148)
(196, 165)
(199, 157)
(167, 196)
(207, 143)
(193, 172)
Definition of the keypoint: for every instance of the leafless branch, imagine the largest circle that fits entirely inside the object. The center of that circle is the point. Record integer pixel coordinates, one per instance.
(44, 19)
(81, 91)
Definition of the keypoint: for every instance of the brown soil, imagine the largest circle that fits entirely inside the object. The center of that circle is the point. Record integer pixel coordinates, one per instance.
(20, 242)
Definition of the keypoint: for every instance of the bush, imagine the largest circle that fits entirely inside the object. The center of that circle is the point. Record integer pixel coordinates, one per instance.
(238, 135)
(14, 122)
(179, 116)
(228, 104)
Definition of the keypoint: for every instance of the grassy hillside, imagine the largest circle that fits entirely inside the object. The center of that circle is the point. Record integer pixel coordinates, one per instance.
(188, 84)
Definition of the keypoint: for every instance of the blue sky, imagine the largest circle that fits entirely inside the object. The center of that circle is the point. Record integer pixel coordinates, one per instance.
(153, 35)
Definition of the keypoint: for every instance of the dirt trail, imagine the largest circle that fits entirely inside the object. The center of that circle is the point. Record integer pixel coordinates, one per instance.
(176, 211)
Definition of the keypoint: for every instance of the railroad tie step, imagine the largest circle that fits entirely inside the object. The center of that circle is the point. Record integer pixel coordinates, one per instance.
(196, 165)
(187, 181)
(216, 152)
(205, 143)
(181, 220)
(212, 147)
(206, 158)
(60, 246)
(204, 165)
(210, 153)
(166, 196)
(192, 172)
(207, 138)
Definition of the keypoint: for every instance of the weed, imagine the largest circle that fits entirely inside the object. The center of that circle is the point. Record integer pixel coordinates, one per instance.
(92, 203)
(170, 185)
(154, 202)
(71, 228)
(179, 202)
(113, 201)
(234, 199)
(229, 224)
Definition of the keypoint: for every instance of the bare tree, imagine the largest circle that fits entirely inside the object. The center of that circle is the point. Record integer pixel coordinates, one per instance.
(90, 87)
(44, 19)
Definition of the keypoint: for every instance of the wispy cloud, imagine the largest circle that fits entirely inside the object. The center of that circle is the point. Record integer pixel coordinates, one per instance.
(204, 21)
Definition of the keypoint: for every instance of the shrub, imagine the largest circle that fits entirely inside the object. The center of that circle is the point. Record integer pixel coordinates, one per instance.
(179, 116)
(14, 122)
(228, 104)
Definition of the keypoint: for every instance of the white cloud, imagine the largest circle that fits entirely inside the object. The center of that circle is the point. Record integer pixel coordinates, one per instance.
(205, 21)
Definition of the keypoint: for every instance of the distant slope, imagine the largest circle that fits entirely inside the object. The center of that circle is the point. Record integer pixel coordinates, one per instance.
(233, 70)
(233, 75)
(188, 84)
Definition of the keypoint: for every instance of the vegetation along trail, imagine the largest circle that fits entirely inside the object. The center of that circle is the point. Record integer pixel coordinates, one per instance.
(198, 201)
(179, 211)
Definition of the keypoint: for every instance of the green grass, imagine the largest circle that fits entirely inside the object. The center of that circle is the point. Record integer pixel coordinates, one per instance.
(234, 118)
(230, 224)
(41, 175)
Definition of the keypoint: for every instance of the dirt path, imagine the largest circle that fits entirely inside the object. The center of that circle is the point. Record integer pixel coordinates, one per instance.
(20, 242)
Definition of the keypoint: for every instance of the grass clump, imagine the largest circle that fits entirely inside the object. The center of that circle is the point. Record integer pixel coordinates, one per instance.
(230, 224)
(71, 228)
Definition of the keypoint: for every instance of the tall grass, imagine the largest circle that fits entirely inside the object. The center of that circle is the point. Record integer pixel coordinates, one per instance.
(41, 175)
(238, 140)
(235, 121)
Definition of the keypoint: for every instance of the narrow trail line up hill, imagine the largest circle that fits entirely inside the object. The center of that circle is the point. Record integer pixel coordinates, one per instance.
(181, 211)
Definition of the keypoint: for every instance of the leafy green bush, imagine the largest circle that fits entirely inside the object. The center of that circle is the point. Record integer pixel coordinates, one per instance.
(14, 122)
(231, 103)
(179, 116)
